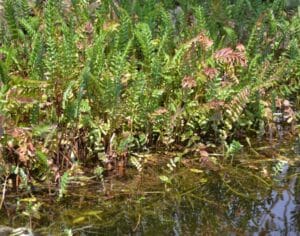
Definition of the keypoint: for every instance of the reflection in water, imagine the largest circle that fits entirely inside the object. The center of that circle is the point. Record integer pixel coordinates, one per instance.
(281, 209)
(243, 198)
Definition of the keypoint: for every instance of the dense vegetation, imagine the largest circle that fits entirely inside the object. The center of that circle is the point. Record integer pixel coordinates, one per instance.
(96, 82)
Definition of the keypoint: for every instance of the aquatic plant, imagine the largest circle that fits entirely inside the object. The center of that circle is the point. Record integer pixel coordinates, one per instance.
(93, 82)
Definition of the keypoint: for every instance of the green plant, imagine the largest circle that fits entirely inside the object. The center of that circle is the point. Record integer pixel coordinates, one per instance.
(94, 82)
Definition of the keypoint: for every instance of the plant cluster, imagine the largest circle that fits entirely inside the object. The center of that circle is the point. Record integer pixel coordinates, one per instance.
(93, 81)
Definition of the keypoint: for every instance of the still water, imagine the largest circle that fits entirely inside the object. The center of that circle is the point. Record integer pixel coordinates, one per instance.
(250, 194)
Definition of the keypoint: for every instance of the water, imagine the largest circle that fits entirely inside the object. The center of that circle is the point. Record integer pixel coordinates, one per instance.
(251, 195)
(281, 211)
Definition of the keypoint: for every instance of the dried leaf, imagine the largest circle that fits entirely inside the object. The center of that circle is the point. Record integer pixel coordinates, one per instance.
(240, 47)
(229, 56)
(22, 151)
(88, 28)
(215, 104)
(188, 82)
(160, 111)
(210, 72)
(204, 154)
(286, 103)
(205, 42)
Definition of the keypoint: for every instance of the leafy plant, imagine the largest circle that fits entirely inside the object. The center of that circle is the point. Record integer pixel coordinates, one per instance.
(95, 82)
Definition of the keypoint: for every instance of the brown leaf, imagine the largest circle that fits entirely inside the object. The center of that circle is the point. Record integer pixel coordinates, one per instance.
(80, 46)
(30, 149)
(223, 53)
(215, 104)
(240, 47)
(16, 132)
(160, 111)
(202, 150)
(22, 151)
(210, 72)
(286, 103)
(278, 103)
(229, 56)
(205, 42)
(89, 28)
(288, 114)
(206, 162)
(204, 154)
(188, 82)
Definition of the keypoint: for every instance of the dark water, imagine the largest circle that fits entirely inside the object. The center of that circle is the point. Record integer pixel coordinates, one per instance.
(251, 195)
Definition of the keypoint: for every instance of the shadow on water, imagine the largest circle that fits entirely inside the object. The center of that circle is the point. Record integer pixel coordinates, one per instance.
(251, 196)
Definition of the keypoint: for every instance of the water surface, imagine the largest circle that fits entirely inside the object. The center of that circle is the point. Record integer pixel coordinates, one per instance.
(249, 194)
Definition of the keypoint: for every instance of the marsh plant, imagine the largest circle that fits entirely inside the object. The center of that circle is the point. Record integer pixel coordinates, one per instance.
(91, 82)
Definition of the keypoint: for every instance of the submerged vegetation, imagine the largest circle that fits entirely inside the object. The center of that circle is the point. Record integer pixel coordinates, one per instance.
(255, 194)
(90, 85)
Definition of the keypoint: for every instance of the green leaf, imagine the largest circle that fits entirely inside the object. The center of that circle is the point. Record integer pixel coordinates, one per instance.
(196, 170)
(165, 179)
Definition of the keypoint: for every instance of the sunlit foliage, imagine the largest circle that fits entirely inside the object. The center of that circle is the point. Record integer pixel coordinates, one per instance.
(93, 81)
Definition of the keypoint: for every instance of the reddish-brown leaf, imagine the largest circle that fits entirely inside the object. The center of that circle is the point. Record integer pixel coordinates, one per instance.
(89, 28)
(160, 111)
(240, 47)
(231, 57)
(188, 82)
(205, 42)
(210, 72)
